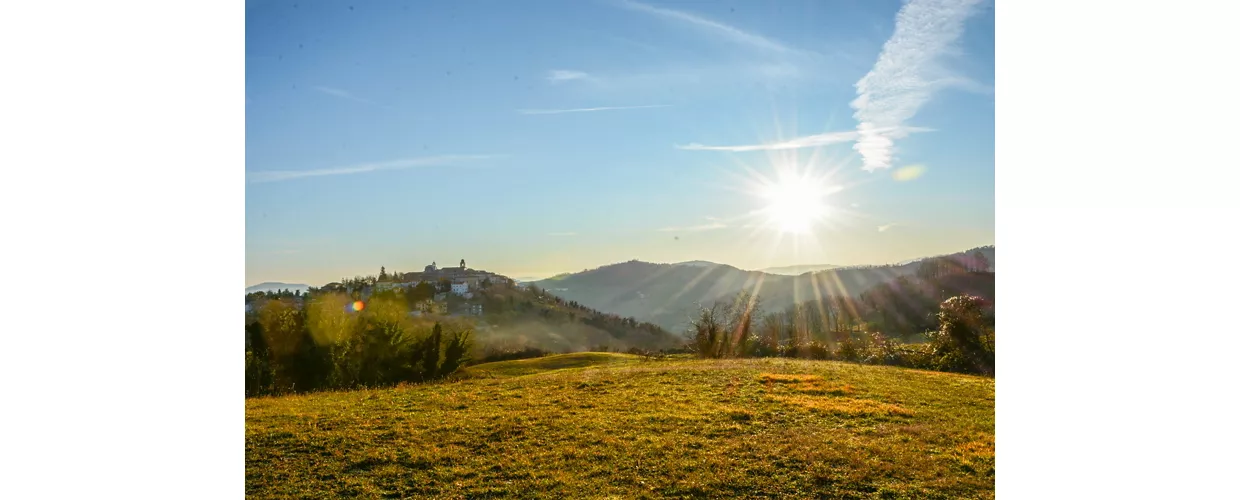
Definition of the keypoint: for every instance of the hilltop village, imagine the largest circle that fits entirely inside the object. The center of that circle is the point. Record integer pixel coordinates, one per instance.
(444, 282)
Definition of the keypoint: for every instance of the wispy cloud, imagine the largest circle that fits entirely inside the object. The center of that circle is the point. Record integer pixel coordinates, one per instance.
(808, 141)
(905, 75)
(586, 110)
(700, 227)
(800, 142)
(565, 75)
(720, 29)
(284, 175)
(343, 94)
(885, 227)
(562, 234)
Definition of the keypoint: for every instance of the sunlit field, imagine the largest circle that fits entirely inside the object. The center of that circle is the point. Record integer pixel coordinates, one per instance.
(599, 425)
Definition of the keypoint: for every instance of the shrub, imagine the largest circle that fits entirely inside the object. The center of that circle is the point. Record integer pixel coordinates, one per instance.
(965, 340)
(816, 350)
(847, 350)
(881, 350)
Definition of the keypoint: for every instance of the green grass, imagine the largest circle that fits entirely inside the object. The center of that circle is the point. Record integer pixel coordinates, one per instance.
(599, 425)
(531, 366)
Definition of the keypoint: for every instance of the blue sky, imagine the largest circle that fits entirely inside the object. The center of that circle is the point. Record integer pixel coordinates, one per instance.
(532, 138)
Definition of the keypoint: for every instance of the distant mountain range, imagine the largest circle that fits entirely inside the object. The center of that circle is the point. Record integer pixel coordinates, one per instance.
(275, 285)
(799, 269)
(696, 263)
(667, 294)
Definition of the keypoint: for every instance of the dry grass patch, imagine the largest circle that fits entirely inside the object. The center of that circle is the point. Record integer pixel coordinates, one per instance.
(824, 390)
(847, 406)
(977, 455)
(813, 385)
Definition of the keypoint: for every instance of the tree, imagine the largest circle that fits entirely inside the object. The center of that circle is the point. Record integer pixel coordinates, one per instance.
(707, 332)
(383, 275)
(739, 317)
(257, 361)
(430, 353)
(772, 328)
(965, 340)
(927, 270)
(980, 260)
(457, 352)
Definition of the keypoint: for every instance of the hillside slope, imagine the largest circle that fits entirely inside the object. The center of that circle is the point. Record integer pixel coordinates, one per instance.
(643, 429)
(516, 318)
(668, 294)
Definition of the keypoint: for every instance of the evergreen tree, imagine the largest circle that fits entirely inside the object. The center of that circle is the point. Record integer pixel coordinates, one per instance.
(430, 353)
(456, 354)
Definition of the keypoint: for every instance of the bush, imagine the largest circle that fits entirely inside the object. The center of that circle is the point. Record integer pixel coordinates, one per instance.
(965, 340)
(881, 350)
(847, 350)
(764, 350)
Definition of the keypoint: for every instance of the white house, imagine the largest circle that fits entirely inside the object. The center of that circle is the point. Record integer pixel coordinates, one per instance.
(460, 288)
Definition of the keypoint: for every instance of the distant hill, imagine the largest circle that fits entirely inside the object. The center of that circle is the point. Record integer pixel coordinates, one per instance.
(696, 263)
(275, 285)
(798, 269)
(667, 294)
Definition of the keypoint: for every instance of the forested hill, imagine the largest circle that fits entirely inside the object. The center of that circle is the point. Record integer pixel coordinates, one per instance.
(667, 294)
(530, 317)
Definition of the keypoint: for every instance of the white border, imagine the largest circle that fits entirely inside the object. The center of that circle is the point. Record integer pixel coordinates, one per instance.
(123, 200)
(1115, 193)
(123, 154)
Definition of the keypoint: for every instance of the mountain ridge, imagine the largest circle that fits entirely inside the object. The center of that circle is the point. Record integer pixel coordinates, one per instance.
(268, 286)
(667, 294)
(797, 269)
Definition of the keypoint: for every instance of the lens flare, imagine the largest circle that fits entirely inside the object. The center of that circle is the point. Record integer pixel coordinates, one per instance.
(908, 173)
(358, 306)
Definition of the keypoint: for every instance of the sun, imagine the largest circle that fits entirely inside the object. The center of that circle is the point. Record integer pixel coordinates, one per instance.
(796, 203)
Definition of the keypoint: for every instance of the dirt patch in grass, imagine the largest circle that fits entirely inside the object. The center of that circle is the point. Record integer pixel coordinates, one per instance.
(788, 378)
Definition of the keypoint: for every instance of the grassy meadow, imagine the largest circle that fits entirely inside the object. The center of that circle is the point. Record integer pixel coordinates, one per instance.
(605, 425)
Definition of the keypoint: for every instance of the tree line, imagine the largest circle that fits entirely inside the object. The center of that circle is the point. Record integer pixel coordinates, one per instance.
(330, 344)
(958, 336)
